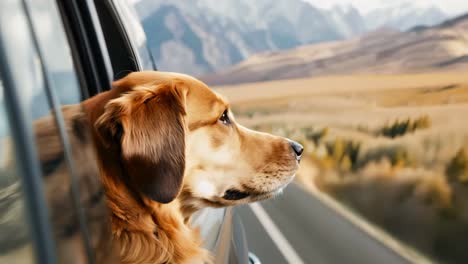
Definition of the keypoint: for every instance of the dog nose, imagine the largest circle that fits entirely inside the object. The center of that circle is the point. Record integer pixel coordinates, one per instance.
(298, 148)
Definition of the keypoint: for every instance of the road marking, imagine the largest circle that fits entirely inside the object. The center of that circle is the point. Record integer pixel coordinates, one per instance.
(276, 236)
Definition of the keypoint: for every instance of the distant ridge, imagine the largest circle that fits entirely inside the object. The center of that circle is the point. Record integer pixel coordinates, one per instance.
(441, 47)
(446, 23)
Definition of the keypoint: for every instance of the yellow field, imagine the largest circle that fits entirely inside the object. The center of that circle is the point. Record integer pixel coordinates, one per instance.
(336, 85)
(346, 102)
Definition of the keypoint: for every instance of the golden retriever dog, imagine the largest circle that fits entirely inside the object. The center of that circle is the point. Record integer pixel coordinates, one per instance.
(167, 146)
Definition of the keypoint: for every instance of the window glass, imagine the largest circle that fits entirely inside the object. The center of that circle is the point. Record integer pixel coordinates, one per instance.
(76, 212)
(27, 73)
(15, 239)
(82, 163)
(136, 34)
(56, 51)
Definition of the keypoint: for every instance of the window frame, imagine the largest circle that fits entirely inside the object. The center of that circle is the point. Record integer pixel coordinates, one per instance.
(29, 169)
(87, 48)
(88, 45)
(56, 111)
(117, 31)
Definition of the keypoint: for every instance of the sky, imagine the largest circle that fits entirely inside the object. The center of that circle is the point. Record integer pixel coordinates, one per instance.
(451, 7)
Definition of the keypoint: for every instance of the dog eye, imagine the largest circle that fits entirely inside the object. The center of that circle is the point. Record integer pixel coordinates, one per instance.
(225, 118)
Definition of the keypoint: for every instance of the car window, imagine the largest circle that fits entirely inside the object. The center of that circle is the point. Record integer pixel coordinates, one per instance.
(40, 63)
(56, 51)
(15, 236)
(81, 170)
(48, 146)
(134, 29)
(125, 38)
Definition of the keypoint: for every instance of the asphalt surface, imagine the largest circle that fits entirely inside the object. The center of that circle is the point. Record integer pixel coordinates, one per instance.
(317, 233)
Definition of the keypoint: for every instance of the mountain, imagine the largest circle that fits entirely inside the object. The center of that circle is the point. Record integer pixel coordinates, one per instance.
(205, 35)
(201, 36)
(440, 47)
(347, 20)
(403, 15)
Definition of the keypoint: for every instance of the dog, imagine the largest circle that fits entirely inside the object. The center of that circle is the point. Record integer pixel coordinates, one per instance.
(167, 146)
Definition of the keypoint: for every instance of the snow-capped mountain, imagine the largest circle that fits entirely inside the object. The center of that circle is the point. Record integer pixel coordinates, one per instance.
(347, 20)
(200, 36)
(404, 15)
(197, 36)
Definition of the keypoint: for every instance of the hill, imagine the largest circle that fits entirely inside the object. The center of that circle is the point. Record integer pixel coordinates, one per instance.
(200, 36)
(421, 49)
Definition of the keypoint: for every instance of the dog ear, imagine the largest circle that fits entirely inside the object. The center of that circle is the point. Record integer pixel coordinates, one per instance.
(152, 138)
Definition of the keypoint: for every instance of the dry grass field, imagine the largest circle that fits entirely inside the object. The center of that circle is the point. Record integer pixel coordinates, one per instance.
(394, 148)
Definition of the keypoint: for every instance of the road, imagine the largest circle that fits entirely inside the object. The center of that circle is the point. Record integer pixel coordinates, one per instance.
(315, 232)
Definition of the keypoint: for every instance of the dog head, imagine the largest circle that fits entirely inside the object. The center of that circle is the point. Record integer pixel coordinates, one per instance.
(171, 130)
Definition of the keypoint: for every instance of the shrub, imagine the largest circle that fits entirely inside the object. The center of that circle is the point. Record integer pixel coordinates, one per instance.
(397, 155)
(345, 153)
(422, 123)
(457, 168)
(400, 158)
(353, 149)
(400, 128)
(316, 136)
